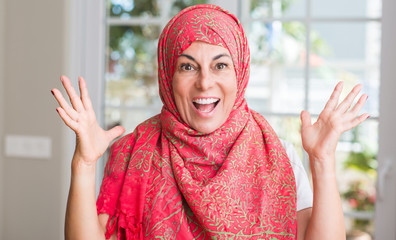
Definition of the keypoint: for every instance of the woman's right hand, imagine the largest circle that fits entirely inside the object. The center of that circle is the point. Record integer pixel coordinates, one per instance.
(91, 140)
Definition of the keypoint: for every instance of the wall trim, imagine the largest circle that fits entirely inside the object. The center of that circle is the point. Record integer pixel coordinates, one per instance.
(84, 48)
(2, 76)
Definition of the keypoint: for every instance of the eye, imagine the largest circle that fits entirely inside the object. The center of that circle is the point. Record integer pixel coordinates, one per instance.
(186, 67)
(220, 66)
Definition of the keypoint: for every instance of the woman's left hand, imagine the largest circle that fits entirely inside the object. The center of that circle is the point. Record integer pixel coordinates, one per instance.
(320, 139)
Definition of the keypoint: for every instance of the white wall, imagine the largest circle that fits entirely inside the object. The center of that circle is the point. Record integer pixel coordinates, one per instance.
(33, 40)
(386, 206)
(2, 24)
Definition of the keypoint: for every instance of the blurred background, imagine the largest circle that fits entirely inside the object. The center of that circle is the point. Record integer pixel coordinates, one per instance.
(300, 49)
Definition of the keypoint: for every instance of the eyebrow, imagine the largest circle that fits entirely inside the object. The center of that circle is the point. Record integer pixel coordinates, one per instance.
(214, 58)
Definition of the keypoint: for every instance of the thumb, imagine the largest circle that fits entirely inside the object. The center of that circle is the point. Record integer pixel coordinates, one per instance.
(115, 132)
(305, 119)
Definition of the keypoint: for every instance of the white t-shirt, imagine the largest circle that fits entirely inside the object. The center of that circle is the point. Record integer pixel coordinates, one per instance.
(304, 192)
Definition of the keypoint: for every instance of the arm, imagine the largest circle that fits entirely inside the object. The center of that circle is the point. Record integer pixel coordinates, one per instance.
(320, 141)
(303, 217)
(82, 221)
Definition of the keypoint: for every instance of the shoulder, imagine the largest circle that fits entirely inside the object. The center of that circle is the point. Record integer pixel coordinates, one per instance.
(151, 122)
(150, 126)
(127, 141)
(123, 142)
(292, 154)
(295, 161)
(304, 192)
(123, 148)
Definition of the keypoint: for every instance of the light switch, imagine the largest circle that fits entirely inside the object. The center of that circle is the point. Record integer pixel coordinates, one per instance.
(28, 146)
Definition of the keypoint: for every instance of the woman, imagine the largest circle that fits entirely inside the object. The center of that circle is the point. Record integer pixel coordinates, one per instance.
(206, 167)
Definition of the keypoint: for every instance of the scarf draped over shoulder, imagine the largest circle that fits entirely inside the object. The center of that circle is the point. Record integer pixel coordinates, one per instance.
(166, 180)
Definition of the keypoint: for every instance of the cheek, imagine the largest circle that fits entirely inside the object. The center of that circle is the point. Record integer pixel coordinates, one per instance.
(176, 85)
(179, 94)
(232, 92)
(176, 92)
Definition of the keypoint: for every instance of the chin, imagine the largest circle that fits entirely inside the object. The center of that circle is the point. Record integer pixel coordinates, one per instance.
(207, 128)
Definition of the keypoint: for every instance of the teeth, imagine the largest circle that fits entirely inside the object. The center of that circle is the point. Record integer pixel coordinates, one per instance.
(205, 100)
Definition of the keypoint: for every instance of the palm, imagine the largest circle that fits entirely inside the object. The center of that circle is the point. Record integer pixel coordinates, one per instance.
(92, 140)
(320, 139)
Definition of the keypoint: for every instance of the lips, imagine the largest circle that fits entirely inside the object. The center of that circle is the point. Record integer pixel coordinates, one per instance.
(205, 105)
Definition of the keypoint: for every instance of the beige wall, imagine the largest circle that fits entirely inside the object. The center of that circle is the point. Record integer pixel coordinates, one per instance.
(33, 42)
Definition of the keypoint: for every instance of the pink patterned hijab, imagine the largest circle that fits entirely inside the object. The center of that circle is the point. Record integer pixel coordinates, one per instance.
(166, 180)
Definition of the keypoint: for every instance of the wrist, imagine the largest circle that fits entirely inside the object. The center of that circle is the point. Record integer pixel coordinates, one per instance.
(80, 166)
(323, 167)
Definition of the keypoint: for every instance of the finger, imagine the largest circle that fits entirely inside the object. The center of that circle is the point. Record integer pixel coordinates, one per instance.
(73, 96)
(86, 100)
(67, 120)
(64, 104)
(115, 132)
(333, 100)
(359, 105)
(355, 122)
(347, 102)
(305, 119)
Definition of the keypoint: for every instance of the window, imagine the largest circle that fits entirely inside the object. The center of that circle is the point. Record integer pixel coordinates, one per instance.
(300, 49)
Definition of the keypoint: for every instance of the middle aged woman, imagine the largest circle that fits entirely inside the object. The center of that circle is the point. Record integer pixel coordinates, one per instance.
(206, 167)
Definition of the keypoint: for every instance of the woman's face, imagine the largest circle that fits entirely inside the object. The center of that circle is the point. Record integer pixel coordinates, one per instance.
(204, 86)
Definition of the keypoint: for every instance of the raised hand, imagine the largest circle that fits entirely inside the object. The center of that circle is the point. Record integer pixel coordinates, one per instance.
(320, 139)
(91, 140)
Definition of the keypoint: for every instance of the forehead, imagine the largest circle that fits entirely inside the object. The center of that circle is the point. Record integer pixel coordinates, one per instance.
(199, 48)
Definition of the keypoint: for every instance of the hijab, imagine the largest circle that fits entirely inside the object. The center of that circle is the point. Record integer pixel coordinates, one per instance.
(167, 180)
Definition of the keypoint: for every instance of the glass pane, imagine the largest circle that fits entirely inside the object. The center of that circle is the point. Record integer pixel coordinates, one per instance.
(348, 52)
(277, 66)
(348, 9)
(131, 77)
(179, 5)
(356, 161)
(277, 8)
(133, 8)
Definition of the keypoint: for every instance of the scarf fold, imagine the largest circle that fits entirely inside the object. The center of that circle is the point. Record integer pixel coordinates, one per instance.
(166, 180)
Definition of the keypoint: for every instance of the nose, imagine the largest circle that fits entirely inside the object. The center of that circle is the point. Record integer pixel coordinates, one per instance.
(205, 80)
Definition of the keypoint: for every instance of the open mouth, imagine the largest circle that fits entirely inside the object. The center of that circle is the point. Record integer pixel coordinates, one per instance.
(205, 104)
